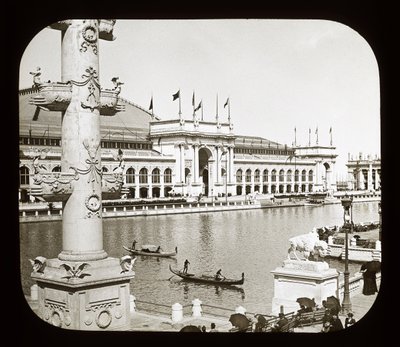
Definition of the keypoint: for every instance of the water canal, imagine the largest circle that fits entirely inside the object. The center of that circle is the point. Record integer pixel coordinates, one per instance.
(254, 242)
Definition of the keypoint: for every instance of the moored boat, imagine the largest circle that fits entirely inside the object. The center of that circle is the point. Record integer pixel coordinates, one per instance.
(206, 278)
(151, 250)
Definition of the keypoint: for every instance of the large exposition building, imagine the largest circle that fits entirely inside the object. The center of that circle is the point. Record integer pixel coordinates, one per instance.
(177, 156)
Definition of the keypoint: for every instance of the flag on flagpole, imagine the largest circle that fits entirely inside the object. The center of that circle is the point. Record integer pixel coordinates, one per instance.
(193, 102)
(151, 104)
(198, 107)
(176, 95)
(226, 103)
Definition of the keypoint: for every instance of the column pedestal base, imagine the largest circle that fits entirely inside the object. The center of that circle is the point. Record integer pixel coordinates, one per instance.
(93, 298)
(298, 278)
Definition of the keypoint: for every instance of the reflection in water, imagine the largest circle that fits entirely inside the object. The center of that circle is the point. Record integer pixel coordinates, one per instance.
(254, 242)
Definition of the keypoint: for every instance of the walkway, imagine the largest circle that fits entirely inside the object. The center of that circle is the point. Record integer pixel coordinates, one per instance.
(146, 322)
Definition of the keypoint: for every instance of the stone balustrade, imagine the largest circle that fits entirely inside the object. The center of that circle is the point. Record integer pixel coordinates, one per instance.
(356, 253)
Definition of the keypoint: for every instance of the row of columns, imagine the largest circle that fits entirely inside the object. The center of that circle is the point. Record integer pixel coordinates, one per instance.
(276, 184)
(359, 183)
(218, 155)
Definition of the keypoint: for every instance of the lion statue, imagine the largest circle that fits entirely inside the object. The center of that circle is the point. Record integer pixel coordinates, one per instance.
(309, 245)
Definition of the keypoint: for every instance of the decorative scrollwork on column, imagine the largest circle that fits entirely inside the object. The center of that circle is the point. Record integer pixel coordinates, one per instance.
(93, 204)
(91, 77)
(90, 37)
(93, 169)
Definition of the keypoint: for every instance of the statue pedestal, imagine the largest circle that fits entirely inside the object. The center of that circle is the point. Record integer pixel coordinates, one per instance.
(297, 278)
(99, 300)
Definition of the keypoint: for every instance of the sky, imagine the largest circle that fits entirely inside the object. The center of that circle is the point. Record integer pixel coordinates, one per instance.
(280, 75)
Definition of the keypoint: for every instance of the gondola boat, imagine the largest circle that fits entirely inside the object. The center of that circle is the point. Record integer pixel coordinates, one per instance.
(151, 250)
(206, 278)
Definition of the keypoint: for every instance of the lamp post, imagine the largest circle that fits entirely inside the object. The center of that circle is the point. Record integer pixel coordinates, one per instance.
(348, 221)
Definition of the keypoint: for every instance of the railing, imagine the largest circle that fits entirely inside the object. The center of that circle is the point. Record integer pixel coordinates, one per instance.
(151, 307)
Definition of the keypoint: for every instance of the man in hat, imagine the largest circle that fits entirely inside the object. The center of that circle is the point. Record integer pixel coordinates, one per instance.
(349, 321)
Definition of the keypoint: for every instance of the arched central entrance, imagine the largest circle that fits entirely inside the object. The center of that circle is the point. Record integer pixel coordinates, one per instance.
(327, 177)
(205, 156)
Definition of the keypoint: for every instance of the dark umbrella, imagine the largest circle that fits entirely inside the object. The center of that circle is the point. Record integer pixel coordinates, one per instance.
(239, 321)
(333, 303)
(261, 321)
(190, 329)
(372, 266)
(306, 302)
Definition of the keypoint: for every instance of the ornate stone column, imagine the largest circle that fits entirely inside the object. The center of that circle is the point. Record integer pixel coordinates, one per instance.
(137, 184)
(83, 289)
(231, 167)
(370, 186)
(80, 137)
(162, 187)
(218, 164)
(196, 163)
(182, 162)
(150, 183)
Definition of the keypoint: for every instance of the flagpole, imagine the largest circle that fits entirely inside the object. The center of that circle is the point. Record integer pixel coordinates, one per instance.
(180, 112)
(309, 137)
(194, 105)
(330, 132)
(316, 132)
(229, 110)
(295, 141)
(201, 109)
(217, 109)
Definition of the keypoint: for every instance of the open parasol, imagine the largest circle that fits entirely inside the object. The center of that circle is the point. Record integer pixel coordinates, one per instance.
(333, 303)
(239, 321)
(306, 302)
(190, 329)
(372, 266)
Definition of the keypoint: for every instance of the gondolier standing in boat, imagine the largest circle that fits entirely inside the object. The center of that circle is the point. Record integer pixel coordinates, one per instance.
(219, 276)
(185, 266)
(133, 244)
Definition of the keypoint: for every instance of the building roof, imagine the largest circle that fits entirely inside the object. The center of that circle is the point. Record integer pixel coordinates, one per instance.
(258, 142)
(133, 122)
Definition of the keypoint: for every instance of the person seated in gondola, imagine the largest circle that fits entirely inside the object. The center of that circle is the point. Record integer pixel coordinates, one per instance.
(219, 276)
(158, 250)
(134, 244)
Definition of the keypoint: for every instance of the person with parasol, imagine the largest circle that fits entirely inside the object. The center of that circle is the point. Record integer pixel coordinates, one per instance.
(369, 270)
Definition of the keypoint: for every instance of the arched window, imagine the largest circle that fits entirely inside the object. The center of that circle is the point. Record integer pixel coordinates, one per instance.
(281, 176)
(310, 175)
(265, 176)
(239, 176)
(167, 176)
(57, 169)
(257, 176)
(273, 175)
(23, 175)
(143, 175)
(289, 176)
(130, 175)
(155, 176)
(296, 176)
(303, 176)
(248, 175)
